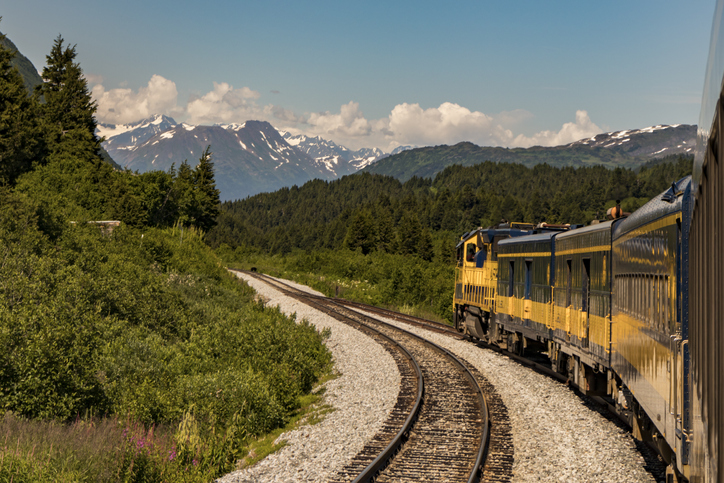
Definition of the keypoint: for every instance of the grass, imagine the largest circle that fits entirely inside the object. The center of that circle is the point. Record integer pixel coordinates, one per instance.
(84, 450)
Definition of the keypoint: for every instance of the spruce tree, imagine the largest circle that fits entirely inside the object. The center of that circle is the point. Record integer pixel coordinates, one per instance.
(425, 249)
(207, 195)
(385, 231)
(184, 196)
(361, 233)
(20, 143)
(68, 104)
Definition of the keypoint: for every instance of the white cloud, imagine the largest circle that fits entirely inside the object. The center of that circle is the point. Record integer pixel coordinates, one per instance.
(406, 124)
(448, 124)
(123, 105)
(570, 132)
(224, 104)
(92, 79)
(349, 122)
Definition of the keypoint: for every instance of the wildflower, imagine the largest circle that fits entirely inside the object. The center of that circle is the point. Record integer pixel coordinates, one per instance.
(195, 462)
(171, 455)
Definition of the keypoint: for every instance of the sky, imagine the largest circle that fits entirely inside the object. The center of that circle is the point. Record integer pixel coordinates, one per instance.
(385, 73)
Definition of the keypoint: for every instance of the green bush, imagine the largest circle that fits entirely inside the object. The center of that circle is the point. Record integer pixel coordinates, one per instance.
(145, 325)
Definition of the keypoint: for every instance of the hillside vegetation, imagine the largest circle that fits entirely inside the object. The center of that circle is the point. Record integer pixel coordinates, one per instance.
(126, 353)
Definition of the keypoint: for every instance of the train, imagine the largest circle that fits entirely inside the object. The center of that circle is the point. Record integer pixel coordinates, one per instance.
(630, 308)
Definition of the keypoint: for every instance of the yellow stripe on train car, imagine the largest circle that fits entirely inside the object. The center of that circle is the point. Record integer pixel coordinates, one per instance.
(524, 255)
(648, 228)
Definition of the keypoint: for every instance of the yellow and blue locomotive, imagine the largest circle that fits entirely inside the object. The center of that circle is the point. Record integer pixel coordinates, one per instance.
(606, 303)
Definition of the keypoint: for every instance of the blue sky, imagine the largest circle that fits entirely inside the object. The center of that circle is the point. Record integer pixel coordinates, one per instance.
(512, 73)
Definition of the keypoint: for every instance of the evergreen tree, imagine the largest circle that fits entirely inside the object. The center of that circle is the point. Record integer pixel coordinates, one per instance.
(408, 232)
(424, 248)
(184, 197)
(19, 133)
(68, 106)
(361, 233)
(207, 196)
(385, 231)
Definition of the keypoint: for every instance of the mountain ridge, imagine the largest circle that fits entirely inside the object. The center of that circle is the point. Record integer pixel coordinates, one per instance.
(629, 148)
(254, 157)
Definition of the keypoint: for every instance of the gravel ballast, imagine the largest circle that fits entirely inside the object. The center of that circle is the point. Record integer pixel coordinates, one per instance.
(362, 396)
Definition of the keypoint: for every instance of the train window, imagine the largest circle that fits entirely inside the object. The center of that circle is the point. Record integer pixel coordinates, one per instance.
(637, 296)
(470, 253)
(511, 271)
(586, 286)
(568, 283)
(528, 277)
(634, 297)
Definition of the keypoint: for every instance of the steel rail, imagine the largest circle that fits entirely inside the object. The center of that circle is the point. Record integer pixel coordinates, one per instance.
(372, 471)
(381, 461)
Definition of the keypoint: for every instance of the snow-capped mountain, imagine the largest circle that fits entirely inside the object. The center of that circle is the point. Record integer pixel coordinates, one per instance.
(651, 142)
(125, 136)
(628, 149)
(337, 158)
(249, 158)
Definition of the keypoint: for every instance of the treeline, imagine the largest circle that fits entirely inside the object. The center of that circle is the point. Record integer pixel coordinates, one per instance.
(127, 353)
(374, 212)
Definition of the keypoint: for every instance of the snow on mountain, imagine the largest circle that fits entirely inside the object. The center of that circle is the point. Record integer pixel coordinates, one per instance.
(126, 136)
(250, 157)
(651, 142)
(336, 158)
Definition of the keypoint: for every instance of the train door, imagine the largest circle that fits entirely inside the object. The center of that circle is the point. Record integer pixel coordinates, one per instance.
(585, 300)
(679, 357)
(569, 285)
(511, 278)
(528, 285)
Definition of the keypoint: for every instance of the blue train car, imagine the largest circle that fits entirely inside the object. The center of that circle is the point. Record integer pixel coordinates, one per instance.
(581, 342)
(524, 296)
(649, 328)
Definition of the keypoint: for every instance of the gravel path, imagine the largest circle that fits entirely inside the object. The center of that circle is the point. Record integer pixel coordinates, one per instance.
(555, 436)
(363, 396)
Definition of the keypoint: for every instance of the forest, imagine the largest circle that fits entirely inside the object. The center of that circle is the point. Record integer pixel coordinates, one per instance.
(127, 353)
(377, 240)
(375, 212)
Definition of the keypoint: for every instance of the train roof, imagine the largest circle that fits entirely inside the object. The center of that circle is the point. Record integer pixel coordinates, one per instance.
(524, 240)
(666, 203)
(604, 225)
(712, 91)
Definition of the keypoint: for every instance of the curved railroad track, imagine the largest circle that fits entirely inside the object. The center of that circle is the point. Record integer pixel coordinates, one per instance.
(450, 435)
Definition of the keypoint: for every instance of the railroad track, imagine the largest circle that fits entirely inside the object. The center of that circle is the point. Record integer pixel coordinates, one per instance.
(447, 438)
(499, 461)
